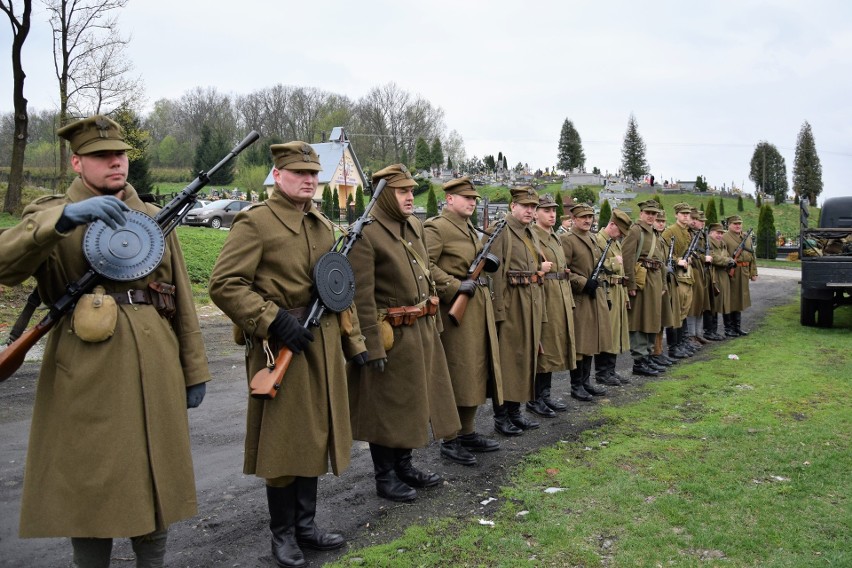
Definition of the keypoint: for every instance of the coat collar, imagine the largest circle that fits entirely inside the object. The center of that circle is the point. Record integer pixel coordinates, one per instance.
(464, 225)
(78, 191)
(291, 217)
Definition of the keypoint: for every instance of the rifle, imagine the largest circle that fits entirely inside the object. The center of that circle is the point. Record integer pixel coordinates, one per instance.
(670, 266)
(484, 260)
(738, 251)
(711, 286)
(597, 271)
(266, 383)
(168, 218)
(693, 244)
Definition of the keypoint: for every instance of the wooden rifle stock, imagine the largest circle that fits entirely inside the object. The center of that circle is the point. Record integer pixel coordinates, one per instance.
(13, 356)
(456, 312)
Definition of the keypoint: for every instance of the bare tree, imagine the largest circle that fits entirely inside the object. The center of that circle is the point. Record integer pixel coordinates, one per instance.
(20, 29)
(88, 60)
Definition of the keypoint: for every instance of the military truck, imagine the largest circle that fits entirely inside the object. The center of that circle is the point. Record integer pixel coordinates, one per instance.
(826, 255)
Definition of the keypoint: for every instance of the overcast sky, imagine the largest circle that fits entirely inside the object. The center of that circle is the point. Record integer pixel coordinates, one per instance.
(706, 81)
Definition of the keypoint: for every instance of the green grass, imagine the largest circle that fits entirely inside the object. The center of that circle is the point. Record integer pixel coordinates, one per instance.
(726, 463)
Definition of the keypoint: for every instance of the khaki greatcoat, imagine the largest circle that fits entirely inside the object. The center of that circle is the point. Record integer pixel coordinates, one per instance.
(557, 335)
(472, 351)
(721, 256)
(519, 310)
(394, 408)
(616, 293)
(645, 312)
(592, 327)
(740, 295)
(700, 294)
(267, 263)
(109, 452)
(671, 298)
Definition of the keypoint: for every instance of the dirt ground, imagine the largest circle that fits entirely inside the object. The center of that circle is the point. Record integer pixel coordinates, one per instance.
(231, 526)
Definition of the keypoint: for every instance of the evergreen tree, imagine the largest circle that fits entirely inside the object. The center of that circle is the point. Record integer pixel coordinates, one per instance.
(499, 161)
(768, 171)
(583, 194)
(475, 218)
(740, 206)
(701, 207)
(767, 245)
(560, 209)
(605, 214)
(807, 169)
(437, 153)
(138, 174)
(335, 205)
(633, 162)
(422, 155)
(359, 201)
(721, 208)
(431, 203)
(570, 151)
(326, 200)
(258, 153)
(710, 211)
(449, 163)
(757, 201)
(212, 147)
(490, 163)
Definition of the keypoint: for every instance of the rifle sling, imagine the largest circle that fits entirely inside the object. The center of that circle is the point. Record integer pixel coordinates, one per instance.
(33, 302)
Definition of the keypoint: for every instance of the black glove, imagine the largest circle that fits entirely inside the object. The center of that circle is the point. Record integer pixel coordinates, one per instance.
(107, 208)
(732, 263)
(591, 287)
(377, 364)
(467, 287)
(361, 358)
(195, 394)
(288, 329)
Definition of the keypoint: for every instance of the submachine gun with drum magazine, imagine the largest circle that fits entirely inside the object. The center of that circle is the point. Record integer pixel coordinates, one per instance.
(123, 254)
(334, 289)
(483, 261)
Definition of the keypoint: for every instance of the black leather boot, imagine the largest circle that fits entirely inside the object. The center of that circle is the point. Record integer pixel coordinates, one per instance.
(409, 474)
(605, 370)
(538, 406)
(502, 424)
(737, 320)
(513, 409)
(308, 535)
(711, 327)
(477, 443)
(577, 389)
(729, 326)
(641, 368)
(650, 362)
(282, 524)
(593, 390)
(388, 485)
(454, 451)
(554, 404)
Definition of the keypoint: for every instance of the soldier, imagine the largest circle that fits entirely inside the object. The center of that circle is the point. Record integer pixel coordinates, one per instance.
(679, 230)
(263, 281)
(471, 347)
(700, 308)
(644, 286)
(519, 310)
(406, 384)
(670, 303)
(721, 263)
(744, 272)
(565, 225)
(557, 334)
(109, 452)
(605, 361)
(592, 328)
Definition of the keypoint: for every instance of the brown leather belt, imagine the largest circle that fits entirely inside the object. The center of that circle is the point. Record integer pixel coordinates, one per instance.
(523, 278)
(407, 315)
(556, 275)
(131, 297)
(650, 264)
(741, 263)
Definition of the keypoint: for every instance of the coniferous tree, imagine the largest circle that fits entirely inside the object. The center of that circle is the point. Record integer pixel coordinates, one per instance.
(138, 174)
(768, 171)
(431, 203)
(437, 153)
(757, 201)
(449, 163)
(583, 194)
(560, 209)
(326, 200)
(740, 206)
(422, 155)
(633, 162)
(359, 201)
(767, 245)
(710, 211)
(570, 149)
(212, 147)
(335, 205)
(605, 214)
(721, 208)
(807, 169)
(475, 218)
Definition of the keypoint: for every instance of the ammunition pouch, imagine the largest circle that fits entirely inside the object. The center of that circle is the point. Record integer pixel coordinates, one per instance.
(95, 316)
(524, 278)
(163, 298)
(407, 315)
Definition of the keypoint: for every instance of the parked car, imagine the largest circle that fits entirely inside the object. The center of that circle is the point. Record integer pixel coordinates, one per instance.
(198, 205)
(217, 214)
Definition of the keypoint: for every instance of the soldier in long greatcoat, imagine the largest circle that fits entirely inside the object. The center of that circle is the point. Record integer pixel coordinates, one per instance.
(592, 328)
(470, 341)
(605, 361)
(263, 281)
(721, 264)
(700, 309)
(557, 335)
(744, 272)
(109, 452)
(676, 334)
(642, 269)
(519, 310)
(406, 385)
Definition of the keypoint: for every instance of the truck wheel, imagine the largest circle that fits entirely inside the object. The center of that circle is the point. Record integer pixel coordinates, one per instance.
(825, 309)
(808, 312)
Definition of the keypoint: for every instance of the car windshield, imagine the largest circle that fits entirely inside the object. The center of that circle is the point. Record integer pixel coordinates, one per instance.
(218, 204)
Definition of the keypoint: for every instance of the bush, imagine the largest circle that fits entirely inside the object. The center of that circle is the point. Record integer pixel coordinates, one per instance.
(766, 240)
